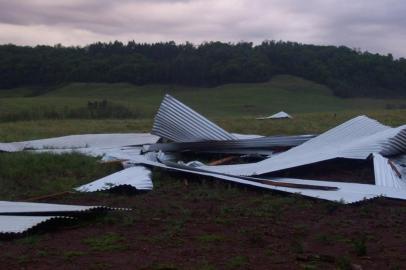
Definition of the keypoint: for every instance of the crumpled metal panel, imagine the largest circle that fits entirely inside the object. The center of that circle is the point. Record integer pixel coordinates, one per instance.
(254, 146)
(12, 225)
(354, 139)
(278, 115)
(386, 174)
(138, 177)
(346, 192)
(177, 122)
(43, 209)
(85, 141)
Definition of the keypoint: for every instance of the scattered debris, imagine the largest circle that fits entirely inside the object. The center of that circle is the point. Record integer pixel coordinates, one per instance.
(279, 115)
(187, 139)
(358, 138)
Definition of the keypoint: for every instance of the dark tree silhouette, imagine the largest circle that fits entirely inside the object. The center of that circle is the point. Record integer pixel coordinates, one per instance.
(348, 72)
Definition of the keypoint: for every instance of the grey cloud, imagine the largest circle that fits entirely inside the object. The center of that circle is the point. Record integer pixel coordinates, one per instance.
(367, 24)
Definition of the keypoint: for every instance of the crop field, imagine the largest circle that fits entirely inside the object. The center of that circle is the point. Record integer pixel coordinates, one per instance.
(191, 222)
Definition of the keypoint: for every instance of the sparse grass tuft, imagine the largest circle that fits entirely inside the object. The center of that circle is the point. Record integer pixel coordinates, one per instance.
(360, 246)
(210, 238)
(70, 255)
(344, 263)
(106, 242)
(238, 262)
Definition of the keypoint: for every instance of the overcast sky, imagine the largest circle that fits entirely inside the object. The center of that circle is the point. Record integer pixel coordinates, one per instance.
(373, 25)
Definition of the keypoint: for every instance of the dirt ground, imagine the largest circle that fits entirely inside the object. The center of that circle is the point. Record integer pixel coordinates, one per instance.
(202, 224)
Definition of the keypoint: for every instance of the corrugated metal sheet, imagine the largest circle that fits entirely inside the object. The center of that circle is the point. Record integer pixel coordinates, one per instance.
(356, 139)
(346, 193)
(386, 175)
(44, 209)
(247, 145)
(138, 177)
(19, 217)
(240, 136)
(84, 141)
(400, 159)
(105, 153)
(279, 115)
(12, 225)
(177, 122)
(400, 162)
(9, 147)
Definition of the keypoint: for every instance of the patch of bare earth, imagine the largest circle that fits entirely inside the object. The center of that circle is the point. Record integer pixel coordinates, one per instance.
(203, 224)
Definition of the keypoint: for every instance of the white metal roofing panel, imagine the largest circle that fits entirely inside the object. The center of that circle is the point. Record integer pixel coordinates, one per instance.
(114, 153)
(246, 136)
(346, 193)
(9, 147)
(278, 115)
(356, 139)
(138, 177)
(177, 122)
(16, 208)
(82, 141)
(21, 224)
(253, 146)
(400, 163)
(281, 114)
(385, 174)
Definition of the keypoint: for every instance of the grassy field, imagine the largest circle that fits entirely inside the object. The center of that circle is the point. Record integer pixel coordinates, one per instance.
(189, 222)
(28, 113)
(303, 123)
(287, 93)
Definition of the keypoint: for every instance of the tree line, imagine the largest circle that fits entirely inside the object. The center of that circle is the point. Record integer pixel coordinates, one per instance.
(348, 72)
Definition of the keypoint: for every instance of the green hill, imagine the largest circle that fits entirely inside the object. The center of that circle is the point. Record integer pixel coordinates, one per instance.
(288, 93)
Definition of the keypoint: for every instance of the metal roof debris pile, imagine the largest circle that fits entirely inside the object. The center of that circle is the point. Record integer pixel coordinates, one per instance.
(358, 138)
(354, 139)
(185, 133)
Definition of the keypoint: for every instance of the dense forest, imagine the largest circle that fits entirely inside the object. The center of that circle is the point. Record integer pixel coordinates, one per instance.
(349, 72)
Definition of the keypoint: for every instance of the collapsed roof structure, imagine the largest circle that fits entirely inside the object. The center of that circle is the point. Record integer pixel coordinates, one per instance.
(178, 131)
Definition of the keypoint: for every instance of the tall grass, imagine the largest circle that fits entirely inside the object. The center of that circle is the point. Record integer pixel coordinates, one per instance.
(24, 175)
(109, 110)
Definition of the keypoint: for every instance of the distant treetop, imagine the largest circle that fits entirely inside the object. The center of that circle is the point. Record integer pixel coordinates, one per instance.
(348, 72)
